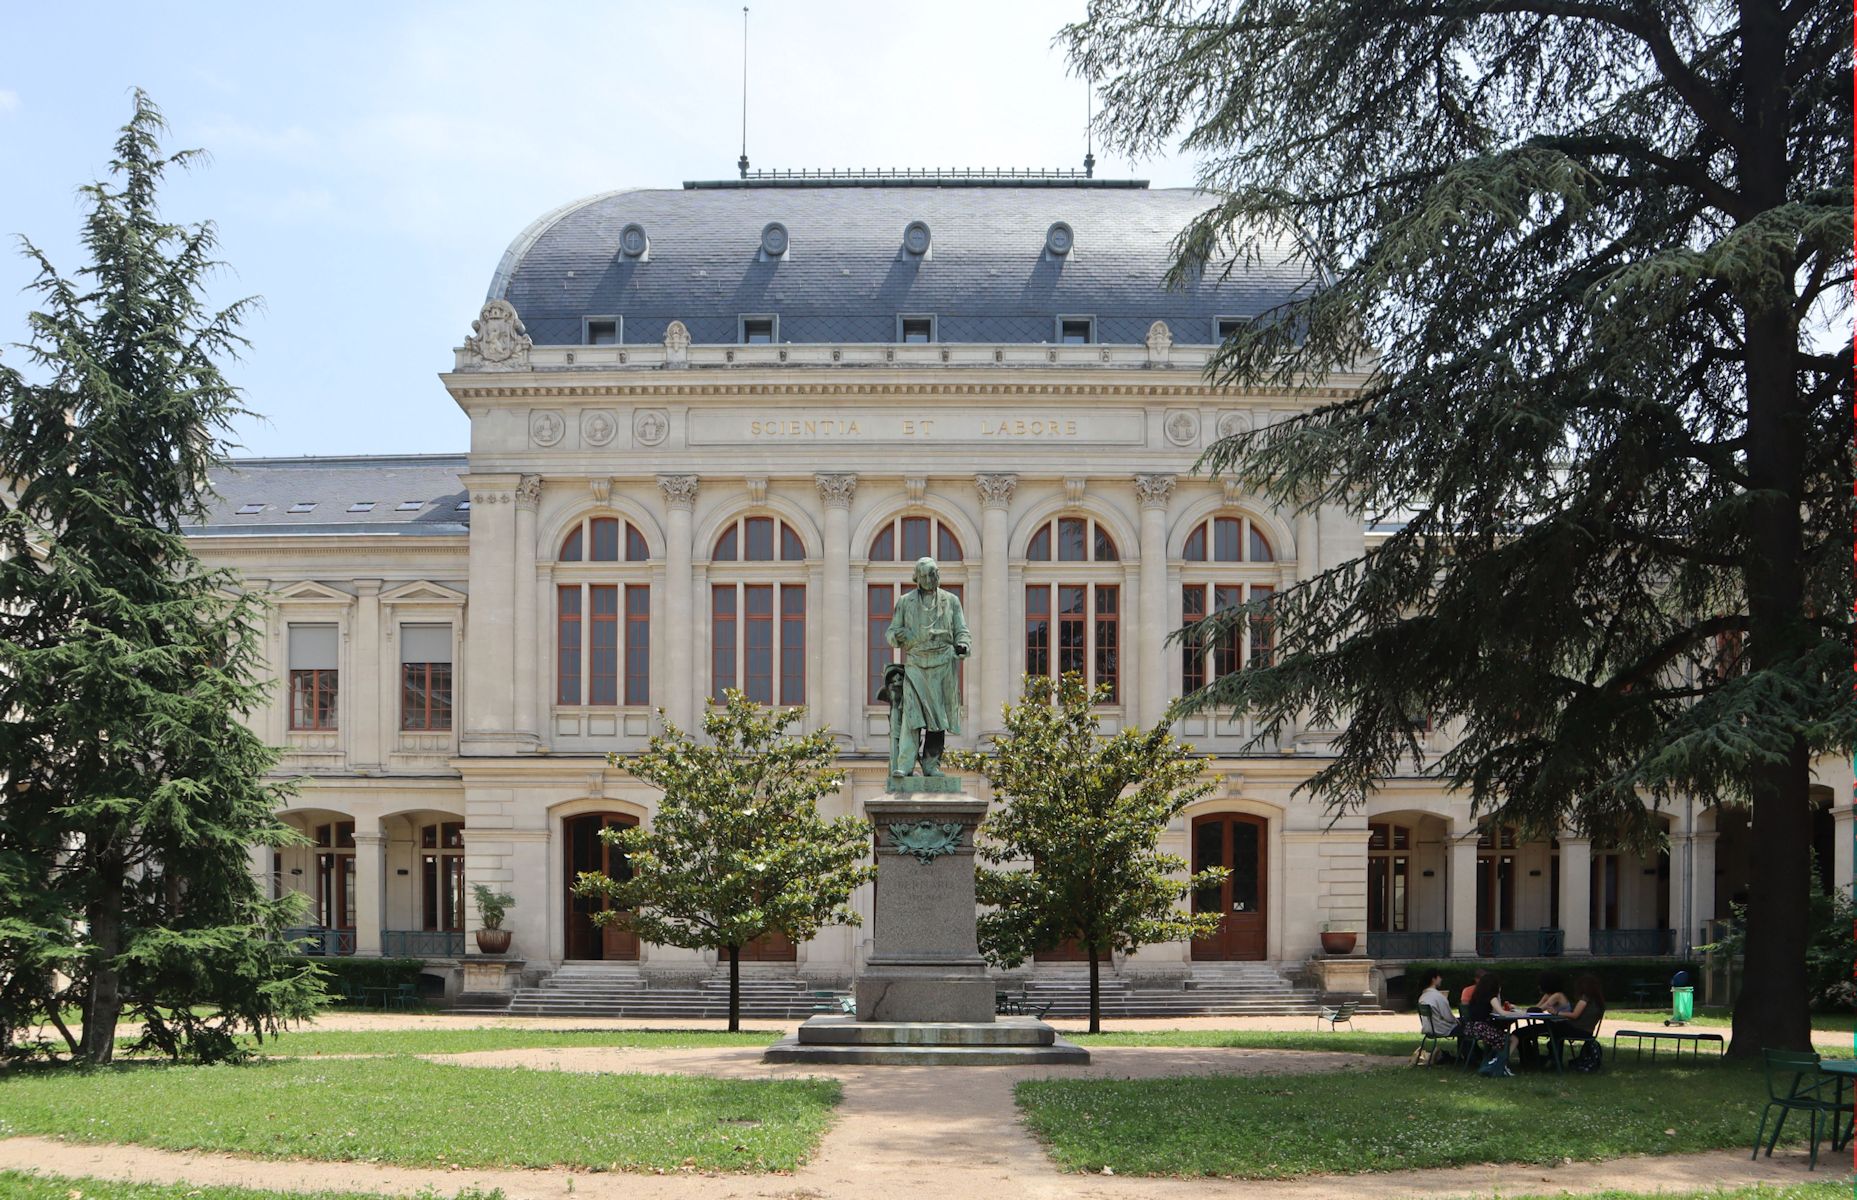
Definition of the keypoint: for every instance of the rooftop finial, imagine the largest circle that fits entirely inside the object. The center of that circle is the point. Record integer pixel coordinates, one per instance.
(743, 164)
(1089, 128)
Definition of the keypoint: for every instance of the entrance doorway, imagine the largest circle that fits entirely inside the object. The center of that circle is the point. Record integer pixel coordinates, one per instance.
(587, 851)
(1237, 842)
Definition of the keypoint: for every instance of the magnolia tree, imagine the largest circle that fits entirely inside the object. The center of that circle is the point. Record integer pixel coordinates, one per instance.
(737, 849)
(1086, 813)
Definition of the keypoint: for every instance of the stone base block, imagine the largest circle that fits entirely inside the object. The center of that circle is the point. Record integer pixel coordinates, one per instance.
(951, 997)
(1342, 978)
(1014, 1041)
(490, 976)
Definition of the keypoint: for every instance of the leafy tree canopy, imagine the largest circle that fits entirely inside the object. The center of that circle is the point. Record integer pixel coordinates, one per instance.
(133, 790)
(1086, 813)
(737, 848)
(1579, 248)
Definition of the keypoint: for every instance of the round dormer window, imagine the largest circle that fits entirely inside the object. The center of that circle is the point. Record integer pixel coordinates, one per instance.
(916, 237)
(1058, 238)
(774, 239)
(633, 242)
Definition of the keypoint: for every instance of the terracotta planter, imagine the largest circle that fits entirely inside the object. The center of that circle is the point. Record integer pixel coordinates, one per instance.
(1337, 943)
(496, 941)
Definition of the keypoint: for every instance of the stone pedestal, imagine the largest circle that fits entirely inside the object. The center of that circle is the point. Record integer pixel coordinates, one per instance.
(489, 976)
(924, 965)
(924, 996)
(1343, 977)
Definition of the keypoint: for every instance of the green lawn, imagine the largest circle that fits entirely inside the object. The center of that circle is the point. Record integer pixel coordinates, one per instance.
(18, 1185)
(464, 1041)
(418, 1113)
(1390, 1119)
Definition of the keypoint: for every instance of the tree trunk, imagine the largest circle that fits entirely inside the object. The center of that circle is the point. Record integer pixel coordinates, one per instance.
(103, 1003)
(1096, 996)
(1772, 1010)
(735, 989)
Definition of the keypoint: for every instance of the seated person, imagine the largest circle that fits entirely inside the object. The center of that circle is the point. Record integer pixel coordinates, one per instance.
(1435, 1016)
(1583, 1019)
(1553, 994)
(1470, 988)
(1479, 1020)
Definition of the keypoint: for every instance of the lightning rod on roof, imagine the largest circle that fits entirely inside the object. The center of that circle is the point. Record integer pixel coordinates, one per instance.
(743, 164)
(1089, 128)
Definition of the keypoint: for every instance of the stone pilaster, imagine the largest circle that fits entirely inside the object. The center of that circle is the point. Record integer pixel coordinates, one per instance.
(837, 491)
(1153, 492)
(370, 885)
(997, 669)
(1462, 862)
(489, 646)
(1575, 917)
(522, 572)
(366, 716)
(680, 610)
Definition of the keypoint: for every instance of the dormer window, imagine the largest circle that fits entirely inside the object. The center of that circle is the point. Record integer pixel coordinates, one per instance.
(915, 329)
(759, 331)
(1228, 327)
(1076, 331)
(601, 331)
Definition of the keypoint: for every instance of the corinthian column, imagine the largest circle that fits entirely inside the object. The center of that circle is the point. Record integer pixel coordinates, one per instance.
(996, 665)
(528, 496)
(837, 491)
(1153, 492)
(680, 616)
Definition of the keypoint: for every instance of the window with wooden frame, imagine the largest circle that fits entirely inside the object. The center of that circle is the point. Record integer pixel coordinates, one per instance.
(603, 615)
(441, 859)
(1073, 613)
(1227, 563)
(425, 678)
(315, 681)
(1389, 876)
(758, 617)
(335, 874)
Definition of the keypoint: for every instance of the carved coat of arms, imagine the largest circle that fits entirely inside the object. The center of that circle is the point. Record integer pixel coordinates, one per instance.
(498, 337)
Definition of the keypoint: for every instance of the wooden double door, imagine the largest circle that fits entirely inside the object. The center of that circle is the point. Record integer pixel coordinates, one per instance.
(586, 850)
(1239, 843)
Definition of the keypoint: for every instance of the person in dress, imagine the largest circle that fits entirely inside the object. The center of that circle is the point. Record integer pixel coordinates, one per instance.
(1481, 1023)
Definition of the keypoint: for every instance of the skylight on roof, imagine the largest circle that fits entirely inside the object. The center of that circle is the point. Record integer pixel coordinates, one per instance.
(361, 506)
(303, 506)
(250, 510)
(410, 505)
(464, 506)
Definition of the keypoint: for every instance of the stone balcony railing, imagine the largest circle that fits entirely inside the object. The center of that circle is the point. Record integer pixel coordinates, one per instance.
(1190, 360)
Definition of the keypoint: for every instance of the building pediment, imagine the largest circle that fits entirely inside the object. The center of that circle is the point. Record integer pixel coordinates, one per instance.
(308, 591)
(422, 591)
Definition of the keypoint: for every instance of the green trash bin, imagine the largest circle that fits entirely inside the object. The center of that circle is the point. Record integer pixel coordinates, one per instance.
(1682, 1005)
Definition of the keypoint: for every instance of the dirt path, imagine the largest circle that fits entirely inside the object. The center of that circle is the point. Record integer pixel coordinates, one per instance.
(933, 1133)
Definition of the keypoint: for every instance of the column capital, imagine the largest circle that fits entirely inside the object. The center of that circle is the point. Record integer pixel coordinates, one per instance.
(996, 490)
(1154, 491)
(836, 489)
(528, 493)
(370, 839)
(680, 490)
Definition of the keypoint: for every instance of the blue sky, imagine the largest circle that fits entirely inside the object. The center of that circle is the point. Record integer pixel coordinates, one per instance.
(371, 162)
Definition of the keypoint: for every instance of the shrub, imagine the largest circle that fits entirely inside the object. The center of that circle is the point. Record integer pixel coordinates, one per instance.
(352, 974)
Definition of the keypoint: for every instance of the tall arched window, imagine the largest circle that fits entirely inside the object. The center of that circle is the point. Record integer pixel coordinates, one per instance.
(1228, 563)
(757, 614)
(894, 549)
(603, 615)
(1073, 603)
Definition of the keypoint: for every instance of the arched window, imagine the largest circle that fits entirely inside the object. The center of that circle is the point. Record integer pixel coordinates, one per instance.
(905, 539)
(603, 615)
(1073, 607)
(894, 549)
(1228, 563)
(1228, 539)
(757, 617)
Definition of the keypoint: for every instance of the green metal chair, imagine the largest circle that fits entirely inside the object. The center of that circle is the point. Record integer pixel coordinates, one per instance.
(1342, 1014)
(1795, 1084)
(407, 997)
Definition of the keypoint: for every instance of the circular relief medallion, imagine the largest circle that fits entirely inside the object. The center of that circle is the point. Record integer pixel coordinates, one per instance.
(1182, 427)
(1059, 238)
(916, 237)
(597, 428)
(650, 426)
(1232, 424)
(774, 239)
(546, 427)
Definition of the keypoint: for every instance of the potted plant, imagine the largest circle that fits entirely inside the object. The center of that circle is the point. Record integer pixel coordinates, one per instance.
(492, 907)
(1337, 942)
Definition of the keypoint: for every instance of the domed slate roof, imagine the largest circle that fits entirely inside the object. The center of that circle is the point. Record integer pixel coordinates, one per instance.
(846, 275)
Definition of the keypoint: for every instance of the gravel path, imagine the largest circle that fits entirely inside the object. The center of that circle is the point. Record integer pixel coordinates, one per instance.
(936, 1133)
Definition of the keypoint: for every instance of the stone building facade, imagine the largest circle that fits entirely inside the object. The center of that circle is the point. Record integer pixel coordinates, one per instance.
(711, 430)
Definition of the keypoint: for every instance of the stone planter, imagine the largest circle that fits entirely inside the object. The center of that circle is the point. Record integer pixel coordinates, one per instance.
(496, 941)
(1338, 943)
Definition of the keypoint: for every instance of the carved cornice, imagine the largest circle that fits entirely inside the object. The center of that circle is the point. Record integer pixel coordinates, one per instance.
(540, 385)
(996, 490)
(836, 489)
(1154, 491)
(680, 490)
(528, 493)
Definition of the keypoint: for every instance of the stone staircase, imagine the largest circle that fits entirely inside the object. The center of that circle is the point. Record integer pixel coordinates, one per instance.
(603, 990)
(617, 990)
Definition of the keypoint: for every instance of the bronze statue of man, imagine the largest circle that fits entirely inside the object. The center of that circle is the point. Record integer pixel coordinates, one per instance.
(931, 630)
